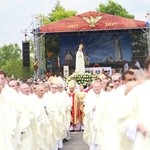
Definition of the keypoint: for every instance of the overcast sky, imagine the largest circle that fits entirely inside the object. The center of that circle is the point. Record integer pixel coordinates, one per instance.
(17, 15)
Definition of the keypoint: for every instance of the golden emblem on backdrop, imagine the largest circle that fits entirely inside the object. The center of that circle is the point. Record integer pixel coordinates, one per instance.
(92, 20)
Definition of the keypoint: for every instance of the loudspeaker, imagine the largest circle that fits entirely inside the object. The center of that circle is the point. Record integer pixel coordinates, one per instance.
(26, 53)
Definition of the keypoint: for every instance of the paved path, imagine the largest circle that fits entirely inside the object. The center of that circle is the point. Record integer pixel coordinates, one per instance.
(76, 142)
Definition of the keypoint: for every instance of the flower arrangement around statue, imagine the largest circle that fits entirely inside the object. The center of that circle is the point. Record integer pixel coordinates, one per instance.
(81, 78)
(84, 78)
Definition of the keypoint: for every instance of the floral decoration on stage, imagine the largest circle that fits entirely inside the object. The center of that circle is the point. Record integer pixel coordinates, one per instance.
(81, 78)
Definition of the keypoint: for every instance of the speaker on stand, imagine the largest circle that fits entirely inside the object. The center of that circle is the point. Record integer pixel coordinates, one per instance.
(26, 53)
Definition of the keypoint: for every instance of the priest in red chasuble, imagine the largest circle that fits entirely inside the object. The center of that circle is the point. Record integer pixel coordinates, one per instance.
(75, 110)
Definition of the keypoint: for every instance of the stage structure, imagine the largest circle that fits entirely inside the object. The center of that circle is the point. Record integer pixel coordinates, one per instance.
(107, 40)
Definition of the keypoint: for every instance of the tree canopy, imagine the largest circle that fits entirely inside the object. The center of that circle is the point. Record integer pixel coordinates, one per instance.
(9, 51)
(58, 13)
(115, 9)
(11, 62)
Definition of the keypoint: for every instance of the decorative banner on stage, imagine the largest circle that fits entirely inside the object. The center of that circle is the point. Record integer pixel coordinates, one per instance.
(98, 47)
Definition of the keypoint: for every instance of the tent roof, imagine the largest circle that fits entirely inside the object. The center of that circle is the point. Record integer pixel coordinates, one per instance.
(92, 21)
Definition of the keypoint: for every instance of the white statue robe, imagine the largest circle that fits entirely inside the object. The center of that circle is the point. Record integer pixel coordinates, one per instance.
(136, 109)
(80, 63)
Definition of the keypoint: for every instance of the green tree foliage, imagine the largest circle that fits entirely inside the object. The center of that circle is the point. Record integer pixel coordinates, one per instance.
(58, 13)
(14, 67)
(114, 9)
(9, 51)
(11, 62)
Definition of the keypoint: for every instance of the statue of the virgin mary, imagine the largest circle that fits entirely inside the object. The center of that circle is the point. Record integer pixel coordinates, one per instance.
(80, 63)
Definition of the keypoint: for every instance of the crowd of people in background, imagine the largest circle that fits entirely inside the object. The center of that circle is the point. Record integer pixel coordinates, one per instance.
(113, 111)
(135, 65)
